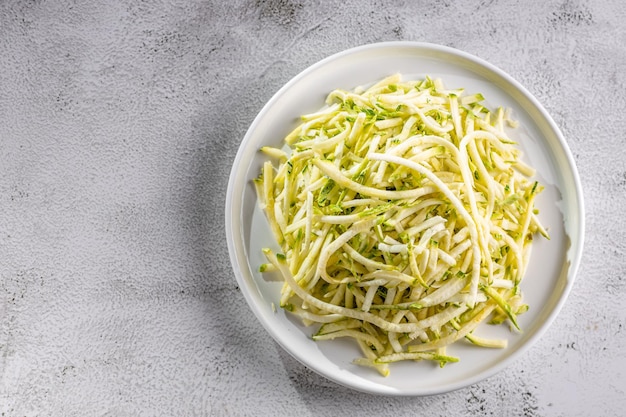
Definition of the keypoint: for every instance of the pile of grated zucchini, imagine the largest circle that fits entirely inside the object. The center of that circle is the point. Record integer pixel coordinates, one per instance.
(405, 217)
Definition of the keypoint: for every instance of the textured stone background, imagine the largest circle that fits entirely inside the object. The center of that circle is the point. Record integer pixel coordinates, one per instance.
(119, 122)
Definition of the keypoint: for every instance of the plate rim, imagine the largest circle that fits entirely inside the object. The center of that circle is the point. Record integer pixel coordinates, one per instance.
(579, 226)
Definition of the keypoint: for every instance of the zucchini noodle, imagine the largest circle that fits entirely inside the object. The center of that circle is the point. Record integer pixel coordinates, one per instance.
(405, 218)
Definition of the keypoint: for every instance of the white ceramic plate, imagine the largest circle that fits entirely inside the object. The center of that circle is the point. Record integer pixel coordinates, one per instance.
(553, 263)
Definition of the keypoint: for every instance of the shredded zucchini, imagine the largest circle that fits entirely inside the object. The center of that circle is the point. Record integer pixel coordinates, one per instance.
(405, 216)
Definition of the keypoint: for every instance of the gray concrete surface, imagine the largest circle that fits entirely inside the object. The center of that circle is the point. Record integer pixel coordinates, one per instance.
(119, 122)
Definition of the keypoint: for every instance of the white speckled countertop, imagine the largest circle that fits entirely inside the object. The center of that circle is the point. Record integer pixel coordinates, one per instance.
(116, 293)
